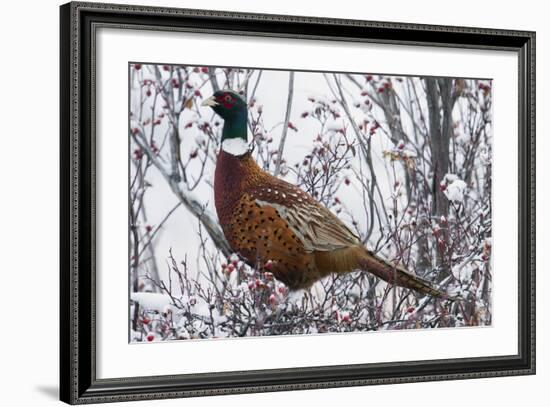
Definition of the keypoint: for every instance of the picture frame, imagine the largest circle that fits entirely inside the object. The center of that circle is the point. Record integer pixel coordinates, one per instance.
(79, 382)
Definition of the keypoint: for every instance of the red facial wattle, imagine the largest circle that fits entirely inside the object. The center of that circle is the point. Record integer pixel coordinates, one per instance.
(226, 100)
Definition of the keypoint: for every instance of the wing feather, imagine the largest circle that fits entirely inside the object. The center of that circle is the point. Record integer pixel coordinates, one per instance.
(315, 225)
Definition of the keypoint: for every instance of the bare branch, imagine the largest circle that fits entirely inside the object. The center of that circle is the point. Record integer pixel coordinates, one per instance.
(286, 123)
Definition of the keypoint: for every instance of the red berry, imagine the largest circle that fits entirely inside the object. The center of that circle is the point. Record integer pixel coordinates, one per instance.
(410, 309)
(166, 67)
(204, 69)
(150, 338)
(198, 93)
(137, 67)
(369, 78)
(145, 321)
(148, 93)
(347, 181)
(305, 114)
(148, 228)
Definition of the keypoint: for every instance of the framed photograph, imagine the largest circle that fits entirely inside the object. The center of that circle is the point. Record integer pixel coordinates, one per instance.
(256, 203)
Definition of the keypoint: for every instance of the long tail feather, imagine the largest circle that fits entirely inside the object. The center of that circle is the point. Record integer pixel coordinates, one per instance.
(397, 275)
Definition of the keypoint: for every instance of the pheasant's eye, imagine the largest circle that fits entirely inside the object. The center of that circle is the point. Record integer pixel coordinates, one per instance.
(227, 98)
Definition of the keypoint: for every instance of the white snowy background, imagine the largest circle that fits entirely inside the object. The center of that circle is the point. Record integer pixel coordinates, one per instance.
(167, 97)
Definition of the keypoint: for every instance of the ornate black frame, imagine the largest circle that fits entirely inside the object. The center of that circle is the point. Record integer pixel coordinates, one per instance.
(78, 382)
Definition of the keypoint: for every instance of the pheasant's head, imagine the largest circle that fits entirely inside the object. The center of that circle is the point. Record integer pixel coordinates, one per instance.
(232, 108)
(226, 103)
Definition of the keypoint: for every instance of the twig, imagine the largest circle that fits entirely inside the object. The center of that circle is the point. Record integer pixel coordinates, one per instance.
(159, 227)
(285, 126)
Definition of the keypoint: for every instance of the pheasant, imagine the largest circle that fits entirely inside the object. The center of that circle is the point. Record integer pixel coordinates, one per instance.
(275, 225)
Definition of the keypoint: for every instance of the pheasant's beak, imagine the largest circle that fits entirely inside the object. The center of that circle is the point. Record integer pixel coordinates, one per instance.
(211, 101)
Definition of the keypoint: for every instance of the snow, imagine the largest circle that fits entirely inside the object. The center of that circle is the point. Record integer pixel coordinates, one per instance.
(465, 273)
(449, 178)
(335, 125)
(462, 137)
(455, 189)
(152, 301)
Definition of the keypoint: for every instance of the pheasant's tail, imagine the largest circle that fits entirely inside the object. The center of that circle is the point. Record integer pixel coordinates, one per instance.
(407, 280)
(396, 275)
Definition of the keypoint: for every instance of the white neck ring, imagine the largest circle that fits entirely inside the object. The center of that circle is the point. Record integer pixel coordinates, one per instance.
(235, 146)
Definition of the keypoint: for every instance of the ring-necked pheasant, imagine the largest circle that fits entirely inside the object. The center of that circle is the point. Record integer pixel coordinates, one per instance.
(269, 221)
